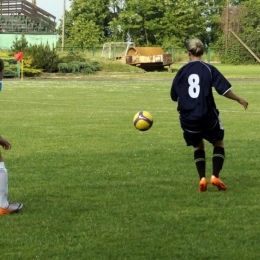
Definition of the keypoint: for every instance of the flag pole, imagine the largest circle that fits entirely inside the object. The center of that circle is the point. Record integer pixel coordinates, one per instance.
(22, 71)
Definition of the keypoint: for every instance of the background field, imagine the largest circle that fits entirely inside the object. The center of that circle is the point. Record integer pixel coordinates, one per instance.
(93, 187)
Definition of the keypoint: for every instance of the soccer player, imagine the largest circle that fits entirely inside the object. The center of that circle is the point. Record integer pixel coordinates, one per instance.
(5, 206)
(199, 116)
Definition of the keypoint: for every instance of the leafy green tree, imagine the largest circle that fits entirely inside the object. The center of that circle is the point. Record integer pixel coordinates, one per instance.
(167, 23)
(212, 11)
(68, 28)
(184, 20)
(140, 21)
(90, 21)
(84, 33)
(114, 25)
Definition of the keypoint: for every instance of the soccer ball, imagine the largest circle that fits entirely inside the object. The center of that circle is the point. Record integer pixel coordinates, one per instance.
(143, 120)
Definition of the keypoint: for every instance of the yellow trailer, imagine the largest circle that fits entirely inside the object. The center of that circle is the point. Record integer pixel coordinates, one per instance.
(147, 58)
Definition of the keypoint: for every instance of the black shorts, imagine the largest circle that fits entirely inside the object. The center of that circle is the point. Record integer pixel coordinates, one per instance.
(213, 134)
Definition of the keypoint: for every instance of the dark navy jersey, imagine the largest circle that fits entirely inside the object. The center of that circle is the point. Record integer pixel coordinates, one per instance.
(192, 89)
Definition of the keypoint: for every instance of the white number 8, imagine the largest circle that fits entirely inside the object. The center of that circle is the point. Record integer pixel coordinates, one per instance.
(194, 88)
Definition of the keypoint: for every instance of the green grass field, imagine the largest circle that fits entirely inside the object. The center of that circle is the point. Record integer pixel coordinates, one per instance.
(94, 187)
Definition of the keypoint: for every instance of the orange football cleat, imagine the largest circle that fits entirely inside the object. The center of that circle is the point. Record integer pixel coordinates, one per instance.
(203, 185)
(12, 208)
(218, 183)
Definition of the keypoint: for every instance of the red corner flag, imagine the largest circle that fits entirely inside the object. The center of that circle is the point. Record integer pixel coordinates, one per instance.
(18, 56)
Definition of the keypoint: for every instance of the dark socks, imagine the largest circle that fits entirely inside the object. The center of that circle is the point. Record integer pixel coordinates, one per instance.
(199, 158)
(218, 160)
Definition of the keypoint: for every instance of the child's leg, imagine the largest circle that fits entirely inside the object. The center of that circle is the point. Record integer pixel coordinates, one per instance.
(3, 186)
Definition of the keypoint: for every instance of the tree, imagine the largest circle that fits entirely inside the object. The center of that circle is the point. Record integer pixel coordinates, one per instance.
(115, 32)
(244, 21)
(141, 20)
(68, 28)
(84, 33)
(250, 24)
(167, 23)
(212, 12)
(90, 21)
(19, 44)
(183, 19)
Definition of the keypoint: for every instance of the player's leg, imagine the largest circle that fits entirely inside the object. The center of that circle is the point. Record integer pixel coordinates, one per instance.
(218, 159)
(215, 136)
(196, 140)
(200, 162)
(5, 207)
(3, 184)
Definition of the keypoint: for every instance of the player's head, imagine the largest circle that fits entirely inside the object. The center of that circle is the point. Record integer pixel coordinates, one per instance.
(1, 69)
(195, 47)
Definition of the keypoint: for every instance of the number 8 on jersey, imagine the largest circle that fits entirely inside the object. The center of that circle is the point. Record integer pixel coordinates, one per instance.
(194, 88)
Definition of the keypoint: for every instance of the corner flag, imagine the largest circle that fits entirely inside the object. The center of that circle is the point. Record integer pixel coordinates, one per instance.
(18, 56)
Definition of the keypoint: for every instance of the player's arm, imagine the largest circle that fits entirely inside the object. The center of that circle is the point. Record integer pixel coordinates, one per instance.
(231, 95)
(222, 85)
(4, 143)
(175, 83)
(174, 94)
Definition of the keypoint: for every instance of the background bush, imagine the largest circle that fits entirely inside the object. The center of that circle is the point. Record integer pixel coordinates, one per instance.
(86, 67)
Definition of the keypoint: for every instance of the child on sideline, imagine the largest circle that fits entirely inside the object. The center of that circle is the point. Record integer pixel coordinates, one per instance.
(5, 206)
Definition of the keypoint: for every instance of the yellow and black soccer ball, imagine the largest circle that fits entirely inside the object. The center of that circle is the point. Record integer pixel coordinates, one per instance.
(143, 120)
